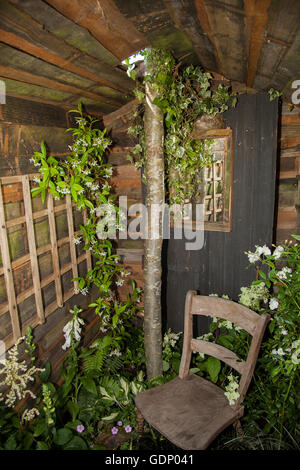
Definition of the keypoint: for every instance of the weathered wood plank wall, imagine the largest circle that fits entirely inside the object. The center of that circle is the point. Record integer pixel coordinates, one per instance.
(288, 215)
(221, 265)
(23, 124)
(126, 181)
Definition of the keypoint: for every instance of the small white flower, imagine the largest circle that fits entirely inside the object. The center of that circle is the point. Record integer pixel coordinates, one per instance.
(280, 352)
(273, 304)
(278, 252)
(77, 240)
(284, 273)
(252, 257)
(263, 250)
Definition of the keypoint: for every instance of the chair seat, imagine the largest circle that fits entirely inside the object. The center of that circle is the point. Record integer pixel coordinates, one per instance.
(190, 412)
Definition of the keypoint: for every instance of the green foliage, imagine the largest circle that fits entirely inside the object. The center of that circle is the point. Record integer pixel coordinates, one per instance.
(185, 93)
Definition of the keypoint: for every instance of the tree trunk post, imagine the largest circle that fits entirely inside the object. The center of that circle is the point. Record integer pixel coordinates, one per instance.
(155, 195)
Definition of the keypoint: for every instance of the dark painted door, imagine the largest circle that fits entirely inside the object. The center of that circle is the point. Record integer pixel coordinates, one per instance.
(221, 265)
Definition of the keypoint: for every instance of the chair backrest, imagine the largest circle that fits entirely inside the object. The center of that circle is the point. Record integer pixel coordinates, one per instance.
(238, 314)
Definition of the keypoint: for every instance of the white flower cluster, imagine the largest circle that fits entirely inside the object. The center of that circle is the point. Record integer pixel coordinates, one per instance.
(72, 329)
(171, 338)
(273, 304)
(29, 415)
(255, 256)
(283, 274)
(17, 376)
(252, 296)
(293, 352)
(62, 190)
(264, 250)
(36, 163)
(77, 240)
(231, 389)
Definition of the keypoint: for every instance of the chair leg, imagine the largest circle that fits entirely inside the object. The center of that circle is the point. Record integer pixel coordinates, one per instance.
(238, 428)
(140, 421)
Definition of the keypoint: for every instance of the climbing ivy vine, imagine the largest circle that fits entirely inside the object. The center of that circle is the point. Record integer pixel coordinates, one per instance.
(185, 94)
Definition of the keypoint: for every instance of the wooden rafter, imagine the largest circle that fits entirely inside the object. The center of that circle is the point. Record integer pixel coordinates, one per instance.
(26, 77)
(256, 20)
(13, 40)
(105, 22)
(204, 21)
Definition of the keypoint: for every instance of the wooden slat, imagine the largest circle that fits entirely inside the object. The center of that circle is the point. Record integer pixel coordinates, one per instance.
(55, 258)
(88, 253)
(257, 18)
(44, 282)
(26, 77)
(219, 352)
(206, 26)
(37, 51)
(105, 22)
(9, 282)
(226, 309)
(35, 215)
(71, 236)
(32, 249)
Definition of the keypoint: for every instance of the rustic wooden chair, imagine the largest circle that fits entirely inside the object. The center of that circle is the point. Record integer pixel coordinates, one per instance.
(189, 410)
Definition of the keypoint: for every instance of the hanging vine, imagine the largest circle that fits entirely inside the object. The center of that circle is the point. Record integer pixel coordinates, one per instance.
(185, 94)
(84, 177)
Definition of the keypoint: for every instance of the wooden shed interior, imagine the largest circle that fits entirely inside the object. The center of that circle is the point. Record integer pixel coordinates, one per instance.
(57, 53)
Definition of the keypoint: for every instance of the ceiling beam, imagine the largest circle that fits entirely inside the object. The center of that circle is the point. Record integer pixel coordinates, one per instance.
(26, 77)
(17, 42)
(256, 21)
(204, 21)
(105, 22)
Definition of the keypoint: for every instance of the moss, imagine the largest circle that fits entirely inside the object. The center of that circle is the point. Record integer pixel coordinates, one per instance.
(16, 242)
(42, 233)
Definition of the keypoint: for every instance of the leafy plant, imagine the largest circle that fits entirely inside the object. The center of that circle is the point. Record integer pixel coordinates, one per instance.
(185, 93)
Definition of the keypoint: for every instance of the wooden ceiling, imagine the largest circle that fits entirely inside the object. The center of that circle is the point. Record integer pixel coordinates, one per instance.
(65, 51)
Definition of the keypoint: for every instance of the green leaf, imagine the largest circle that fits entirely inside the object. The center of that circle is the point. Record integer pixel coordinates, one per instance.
(73, 409)
(89, 385)
(77, 443)
(40, 428)
(213, 367)
(297, 237)
(11, 443)
(35, 191)
(63, 436)
(42, 446)
(165, 365)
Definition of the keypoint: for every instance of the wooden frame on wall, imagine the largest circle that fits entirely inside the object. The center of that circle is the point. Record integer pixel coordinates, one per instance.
(27, 221)
(224, 225)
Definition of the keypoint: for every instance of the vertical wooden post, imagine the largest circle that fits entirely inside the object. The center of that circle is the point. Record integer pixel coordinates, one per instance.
(71, 235)
(88, 253)
(154, 137)
(32, 249)
(7, 271)
(55, 257)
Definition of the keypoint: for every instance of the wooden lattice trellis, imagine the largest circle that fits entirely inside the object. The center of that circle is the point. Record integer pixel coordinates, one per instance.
(8, 265)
